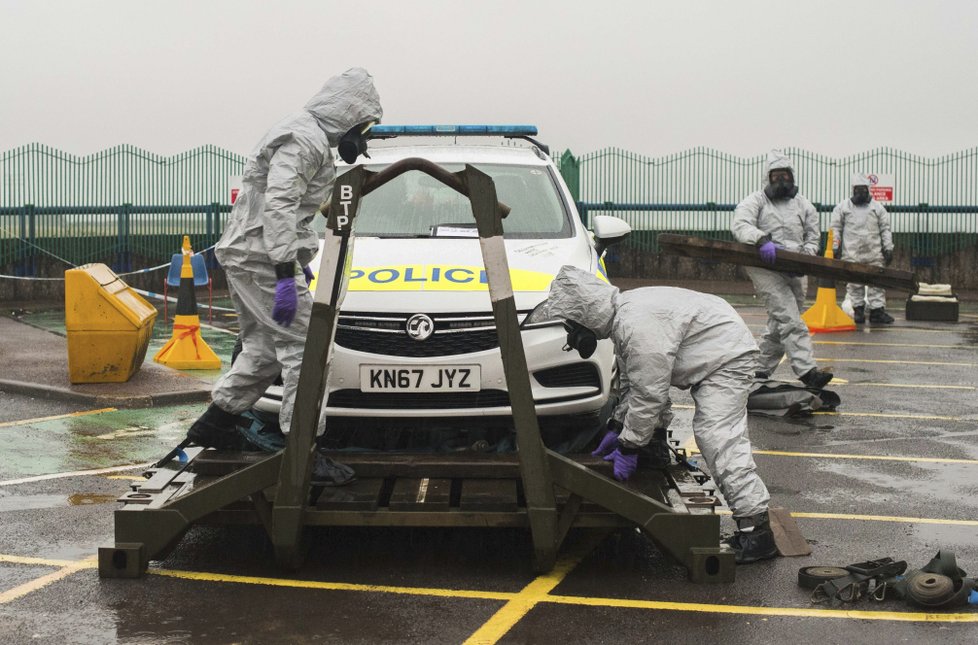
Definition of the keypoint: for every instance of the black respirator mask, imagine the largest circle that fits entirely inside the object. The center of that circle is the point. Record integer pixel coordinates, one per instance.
(580, 338)
(860, 195)
(354, 143)
(783, 189)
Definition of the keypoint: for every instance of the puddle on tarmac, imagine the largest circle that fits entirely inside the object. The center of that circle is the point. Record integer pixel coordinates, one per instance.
(37, 502)
(84, 499)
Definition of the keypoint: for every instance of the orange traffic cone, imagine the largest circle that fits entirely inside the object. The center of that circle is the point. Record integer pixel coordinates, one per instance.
(826, 315)
(186, 350)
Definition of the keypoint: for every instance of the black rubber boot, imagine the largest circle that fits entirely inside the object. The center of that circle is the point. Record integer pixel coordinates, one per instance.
(657, 453)
(880, 317)
(216, 428)
(816, 378)
(859, 314)
(753, 540)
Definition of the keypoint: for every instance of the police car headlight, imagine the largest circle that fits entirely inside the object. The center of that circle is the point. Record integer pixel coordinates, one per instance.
(540, 317)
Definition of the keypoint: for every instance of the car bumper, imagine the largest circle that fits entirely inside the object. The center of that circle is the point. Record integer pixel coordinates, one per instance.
(561, 382)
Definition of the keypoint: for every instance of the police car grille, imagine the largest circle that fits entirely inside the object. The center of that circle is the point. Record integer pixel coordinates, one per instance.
(387, 336)
(576, 375)
(418, 400)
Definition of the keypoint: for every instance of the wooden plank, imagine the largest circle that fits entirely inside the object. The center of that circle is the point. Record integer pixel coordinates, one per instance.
(423, 494)
(787, 261)
(361, 495)
(787, 535)
(489, 495)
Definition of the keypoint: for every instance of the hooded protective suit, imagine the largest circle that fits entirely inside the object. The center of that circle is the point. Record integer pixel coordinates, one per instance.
(666, 337)
(862, 232)
(286, 178)
(792, 224)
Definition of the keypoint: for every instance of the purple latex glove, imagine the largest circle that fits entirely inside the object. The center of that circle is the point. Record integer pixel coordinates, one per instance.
(768, 252)
(608, 443)
(624, 465)
(286, 302)
(306, 271)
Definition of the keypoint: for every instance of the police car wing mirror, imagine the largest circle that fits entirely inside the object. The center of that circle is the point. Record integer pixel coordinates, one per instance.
(608, 230)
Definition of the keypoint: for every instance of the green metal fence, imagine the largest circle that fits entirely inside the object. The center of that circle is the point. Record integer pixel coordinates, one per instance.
(110, 206)
(935, 210)
(44, 176)
(125, 202)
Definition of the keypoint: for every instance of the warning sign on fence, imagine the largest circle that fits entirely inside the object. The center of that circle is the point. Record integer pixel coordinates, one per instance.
(881, 187)
(234, 186)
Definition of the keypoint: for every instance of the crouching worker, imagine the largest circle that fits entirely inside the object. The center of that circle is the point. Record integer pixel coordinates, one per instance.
(266, 249)
(674, 337)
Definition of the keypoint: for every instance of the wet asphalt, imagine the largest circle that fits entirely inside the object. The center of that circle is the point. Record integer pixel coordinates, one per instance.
(221, 585)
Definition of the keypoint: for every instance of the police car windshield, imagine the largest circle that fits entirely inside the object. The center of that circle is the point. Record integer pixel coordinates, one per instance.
(417, 205)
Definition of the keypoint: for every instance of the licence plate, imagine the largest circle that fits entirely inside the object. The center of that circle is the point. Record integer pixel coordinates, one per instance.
(421, 378)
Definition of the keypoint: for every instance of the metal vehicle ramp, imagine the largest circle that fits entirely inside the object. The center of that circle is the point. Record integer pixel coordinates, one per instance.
(537, 488)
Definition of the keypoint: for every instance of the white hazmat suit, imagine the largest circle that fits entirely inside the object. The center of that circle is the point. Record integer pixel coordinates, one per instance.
(792, 224)
(862, 234)
(665, 337)
(286, 178)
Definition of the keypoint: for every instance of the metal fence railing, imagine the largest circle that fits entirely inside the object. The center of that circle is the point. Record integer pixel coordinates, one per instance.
(76, 235)
(923, 230)
(125, 202)
(44, 176)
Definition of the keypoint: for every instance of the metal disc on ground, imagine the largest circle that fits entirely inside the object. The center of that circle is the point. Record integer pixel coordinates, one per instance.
(930, 589)
(811, 577)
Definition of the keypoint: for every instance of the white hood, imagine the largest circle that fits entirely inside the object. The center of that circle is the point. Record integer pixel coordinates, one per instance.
(436, 275)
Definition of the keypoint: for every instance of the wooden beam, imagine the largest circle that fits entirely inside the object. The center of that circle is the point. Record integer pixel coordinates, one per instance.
(787, 261)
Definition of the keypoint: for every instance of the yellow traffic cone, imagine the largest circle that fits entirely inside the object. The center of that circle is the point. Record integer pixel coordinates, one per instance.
(826, 315)
(186, 350)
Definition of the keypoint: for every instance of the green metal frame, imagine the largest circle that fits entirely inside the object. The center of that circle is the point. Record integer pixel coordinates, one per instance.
(145, 531)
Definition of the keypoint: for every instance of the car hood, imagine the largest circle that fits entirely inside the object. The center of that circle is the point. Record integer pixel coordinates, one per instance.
(447, 275)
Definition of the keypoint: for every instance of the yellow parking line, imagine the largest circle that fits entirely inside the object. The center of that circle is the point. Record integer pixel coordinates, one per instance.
(801, 612)
(24, 422)
(332, 586)
(38, 583)
(868, 360)
(514, 610)
(41, 562)
(882, 415)
(915, 386)
(886, 518)
(829, 455)
(875, 518)
(844, 342)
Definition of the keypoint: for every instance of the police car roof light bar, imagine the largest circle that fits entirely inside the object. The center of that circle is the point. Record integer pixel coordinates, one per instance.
(507, 131)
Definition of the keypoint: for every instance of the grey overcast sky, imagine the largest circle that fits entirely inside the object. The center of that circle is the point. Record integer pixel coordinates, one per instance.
(833, 76)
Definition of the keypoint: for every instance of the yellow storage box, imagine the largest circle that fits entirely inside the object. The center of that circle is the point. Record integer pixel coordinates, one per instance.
(109, 326)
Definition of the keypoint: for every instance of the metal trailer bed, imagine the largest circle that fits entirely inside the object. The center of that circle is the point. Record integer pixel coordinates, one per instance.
(536, 488)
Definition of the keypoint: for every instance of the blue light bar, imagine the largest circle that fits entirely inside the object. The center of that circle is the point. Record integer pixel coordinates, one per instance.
(380, 131)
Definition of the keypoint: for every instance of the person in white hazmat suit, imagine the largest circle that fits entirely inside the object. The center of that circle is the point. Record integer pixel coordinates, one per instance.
(777, 217)
(861, 229)
(267, 246)
(665, 337)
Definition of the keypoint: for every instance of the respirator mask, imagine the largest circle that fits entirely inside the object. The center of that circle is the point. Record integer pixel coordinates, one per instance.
(354, 143)
(580, 338)
(860, 195)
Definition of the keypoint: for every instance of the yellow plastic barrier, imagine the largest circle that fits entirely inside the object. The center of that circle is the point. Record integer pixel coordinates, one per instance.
(109, 326)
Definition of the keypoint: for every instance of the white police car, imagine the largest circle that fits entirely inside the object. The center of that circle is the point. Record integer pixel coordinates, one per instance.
(416, 338)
